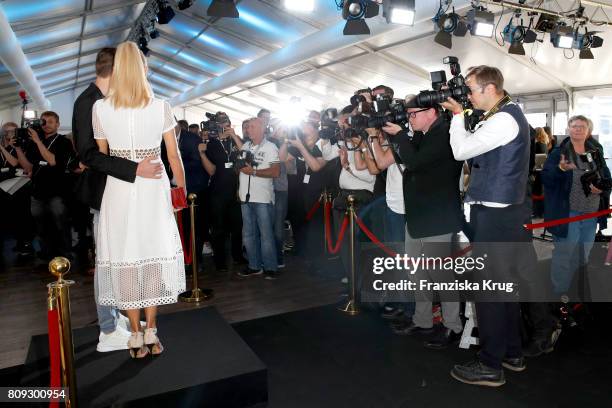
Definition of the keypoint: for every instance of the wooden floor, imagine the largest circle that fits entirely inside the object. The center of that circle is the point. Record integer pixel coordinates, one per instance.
(23, 295)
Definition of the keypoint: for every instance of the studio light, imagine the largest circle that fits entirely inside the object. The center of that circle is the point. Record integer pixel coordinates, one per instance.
(481, 22)
(184, 4)
(303, 6)
(562, 37)
(448, 24)
(223, 8)
(399, 11)
(165, 13)
(517, 36)
(355, 12)
(586, 42)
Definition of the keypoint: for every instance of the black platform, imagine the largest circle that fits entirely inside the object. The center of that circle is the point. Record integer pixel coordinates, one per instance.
(205, 363)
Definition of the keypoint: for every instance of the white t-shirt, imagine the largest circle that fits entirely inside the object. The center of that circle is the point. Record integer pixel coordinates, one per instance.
(395, 189)
(353, 179)
(262, 188)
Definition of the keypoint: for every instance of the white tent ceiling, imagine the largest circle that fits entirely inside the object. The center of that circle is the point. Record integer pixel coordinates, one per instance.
(60, 38)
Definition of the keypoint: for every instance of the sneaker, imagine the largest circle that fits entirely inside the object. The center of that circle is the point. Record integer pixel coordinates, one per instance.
(207, 249)
(516, 364)
(409, 328)
(271, 275)
(117, 340)
(476, 373)
(124, 323)
(391, 313)
(344, 280)
(250, 272)
(281, 265)
(442, 338)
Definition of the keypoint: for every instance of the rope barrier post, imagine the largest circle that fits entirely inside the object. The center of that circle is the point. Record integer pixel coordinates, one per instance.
(195, 295)
(59, 296)
(350, 307)
(323, 198)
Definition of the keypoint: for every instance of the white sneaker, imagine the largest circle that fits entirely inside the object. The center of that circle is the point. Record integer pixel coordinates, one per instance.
(207, 249)
(124, 322)
(117, 340)
(344, 280)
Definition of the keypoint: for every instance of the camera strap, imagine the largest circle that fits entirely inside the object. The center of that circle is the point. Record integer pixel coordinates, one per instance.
(500, 104)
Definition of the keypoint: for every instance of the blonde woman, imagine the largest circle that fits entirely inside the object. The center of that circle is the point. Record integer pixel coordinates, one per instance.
(139, 258)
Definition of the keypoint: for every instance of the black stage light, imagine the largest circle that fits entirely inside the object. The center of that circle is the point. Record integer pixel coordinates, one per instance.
(481, 22)
(184, 4)
(223, 8)
(165, 13)
(449, 24)
(517, 36)
(355, 12)
(589, 40)
(399, 11)
(562, 37)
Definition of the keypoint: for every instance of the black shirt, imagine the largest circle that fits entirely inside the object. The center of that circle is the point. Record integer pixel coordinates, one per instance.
(49, 181)
(195, 175)
(6, 170)
(222, 154)
(90, 185)
(430, 181)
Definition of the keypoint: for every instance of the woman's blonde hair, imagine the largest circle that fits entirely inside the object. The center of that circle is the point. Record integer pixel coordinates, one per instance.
(128, 86)
(541, 136)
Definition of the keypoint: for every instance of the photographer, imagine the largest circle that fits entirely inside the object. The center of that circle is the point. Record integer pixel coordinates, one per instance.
(309, 165)
(45, 158)
(281, 190)
(197, 182)
(567, 195)
(18, 203)
(257, 196)
(499, 149)
(432, 212)
(352, 181)
(218, 155)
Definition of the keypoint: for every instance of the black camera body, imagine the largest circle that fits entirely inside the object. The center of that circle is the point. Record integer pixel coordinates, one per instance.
(214, 124)
(22, 135)
(244, 158)
(593, 172)
(385, 110)
(329, 124)
(456, 87)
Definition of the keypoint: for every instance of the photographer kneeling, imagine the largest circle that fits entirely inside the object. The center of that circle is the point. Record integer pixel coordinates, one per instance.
(432, 213)
(261, 165)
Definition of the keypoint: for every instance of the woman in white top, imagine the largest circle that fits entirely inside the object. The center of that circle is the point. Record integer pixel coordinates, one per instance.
(139, 262)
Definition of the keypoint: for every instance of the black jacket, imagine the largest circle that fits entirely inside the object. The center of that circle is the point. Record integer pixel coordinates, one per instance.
(89, 187)
(431, 182)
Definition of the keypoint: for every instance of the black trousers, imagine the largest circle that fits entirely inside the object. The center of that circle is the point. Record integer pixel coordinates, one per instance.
(226, 219)
(498, 233)
(202, 222)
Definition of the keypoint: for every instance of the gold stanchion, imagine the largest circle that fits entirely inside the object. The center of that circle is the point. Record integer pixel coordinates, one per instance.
(59, 297)
(350, 307)
(195, 295)
(323, 198)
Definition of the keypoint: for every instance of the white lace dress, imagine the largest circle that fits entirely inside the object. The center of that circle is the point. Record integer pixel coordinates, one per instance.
(139, 259)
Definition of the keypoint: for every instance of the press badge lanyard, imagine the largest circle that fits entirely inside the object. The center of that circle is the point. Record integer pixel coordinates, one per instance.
(40, 163)
(228, 163)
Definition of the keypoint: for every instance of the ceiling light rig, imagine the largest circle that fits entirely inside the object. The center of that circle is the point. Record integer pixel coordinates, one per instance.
(355, 12)
(517, 35)
(223, 8)
(399, 11)
(448, 24)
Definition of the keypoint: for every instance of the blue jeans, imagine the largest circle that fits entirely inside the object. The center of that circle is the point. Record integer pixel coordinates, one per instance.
(280, 213)
(260, 247)
(571, 252)
(395, 226)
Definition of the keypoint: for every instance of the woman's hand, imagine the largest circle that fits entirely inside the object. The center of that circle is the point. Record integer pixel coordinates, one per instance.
(595, 190)
(566, 165)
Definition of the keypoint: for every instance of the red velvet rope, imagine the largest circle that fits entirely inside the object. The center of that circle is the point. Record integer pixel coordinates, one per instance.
(186, 251)
(54, 353)
(568, 220)
(313, 210)
(330, 247)
(536, 197)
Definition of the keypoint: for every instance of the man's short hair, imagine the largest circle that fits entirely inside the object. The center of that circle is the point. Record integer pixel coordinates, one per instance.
(485, 75)
(386, 90)
(194, 126)
(183, 124)
(262, 111)
(104, 62)
(50, 114)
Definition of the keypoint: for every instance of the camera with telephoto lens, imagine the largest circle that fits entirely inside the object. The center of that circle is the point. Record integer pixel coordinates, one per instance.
(359, 101)
(214, 124)
(386, 110)
(244, 158)
(22, 135)
(593, 172)
(456, 87)
(329, 124)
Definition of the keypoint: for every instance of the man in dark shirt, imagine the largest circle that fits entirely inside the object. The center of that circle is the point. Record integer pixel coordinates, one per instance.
(218, 156)
(91, 183)
(197, 182)
(45, 158)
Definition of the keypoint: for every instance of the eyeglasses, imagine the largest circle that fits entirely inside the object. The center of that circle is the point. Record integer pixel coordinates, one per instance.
(578, 127)
(413, 114)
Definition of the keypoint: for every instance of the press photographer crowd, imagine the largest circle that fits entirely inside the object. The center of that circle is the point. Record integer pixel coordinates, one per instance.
(411, 164)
